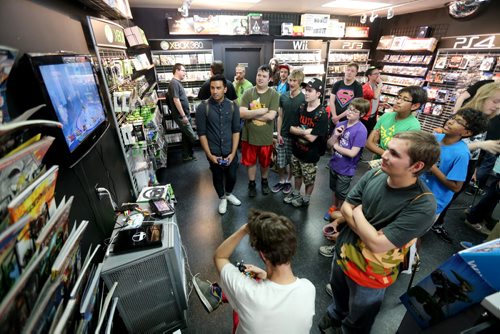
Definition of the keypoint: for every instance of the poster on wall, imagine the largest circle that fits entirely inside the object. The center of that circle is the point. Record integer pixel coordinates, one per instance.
(357, 32)
(196, 25)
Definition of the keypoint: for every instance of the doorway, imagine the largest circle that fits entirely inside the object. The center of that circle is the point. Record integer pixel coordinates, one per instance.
(251, 56)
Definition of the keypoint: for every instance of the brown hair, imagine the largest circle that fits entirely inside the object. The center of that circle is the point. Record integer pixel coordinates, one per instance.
(177, 67)
(422, 146)
(353, 65)
(273, 235)
(360, 104)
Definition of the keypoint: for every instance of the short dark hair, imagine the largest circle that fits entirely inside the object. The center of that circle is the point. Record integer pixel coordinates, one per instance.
(370, 70)
(217, 67)
(353, 65)
(423, 146)
(477, 122)
(417, 93)
(176, 67)
(264, 68)
(219, 77)
(360, 104)
(273, 235)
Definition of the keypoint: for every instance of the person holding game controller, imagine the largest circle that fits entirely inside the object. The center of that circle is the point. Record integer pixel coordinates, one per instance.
(274, 300)
(218, 126)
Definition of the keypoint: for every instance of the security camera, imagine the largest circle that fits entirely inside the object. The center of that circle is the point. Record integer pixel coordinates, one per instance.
(184, 10)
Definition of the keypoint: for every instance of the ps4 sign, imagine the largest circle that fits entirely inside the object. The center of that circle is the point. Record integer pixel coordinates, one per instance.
(471, 42)
(298, 44)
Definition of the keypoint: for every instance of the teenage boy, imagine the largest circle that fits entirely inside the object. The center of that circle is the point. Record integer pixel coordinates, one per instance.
(283, 86)
(217, 68)
(447, 176)
(218, 124)
(240, 83)
(347, 142)
(375, 237)
(343, 91)
(259, 107)
(409, 99)
(179, 104)
(290, 103)
(371, 91)
(309, 128)
(274, 300)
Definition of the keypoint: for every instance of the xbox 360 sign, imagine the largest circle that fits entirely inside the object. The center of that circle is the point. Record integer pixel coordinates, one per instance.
(107, 34)
(181, 44)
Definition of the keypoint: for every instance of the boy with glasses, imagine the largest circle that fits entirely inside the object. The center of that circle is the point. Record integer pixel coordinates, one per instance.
(409, 99)
(448, 174)
(347, 142)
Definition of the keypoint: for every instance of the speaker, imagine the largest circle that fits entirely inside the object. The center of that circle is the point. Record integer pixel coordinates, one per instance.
(151, 286)
(424, 31)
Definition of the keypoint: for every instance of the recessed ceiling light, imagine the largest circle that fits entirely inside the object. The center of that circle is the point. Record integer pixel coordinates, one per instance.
(238, 1)
(352, 4)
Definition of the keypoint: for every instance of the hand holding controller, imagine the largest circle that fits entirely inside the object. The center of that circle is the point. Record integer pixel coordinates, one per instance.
(223, 162)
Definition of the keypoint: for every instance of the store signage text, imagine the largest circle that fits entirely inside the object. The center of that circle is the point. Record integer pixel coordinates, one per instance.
(301, 44)
(108, 33)
(471, 42)
(349, 45)
(179, 45)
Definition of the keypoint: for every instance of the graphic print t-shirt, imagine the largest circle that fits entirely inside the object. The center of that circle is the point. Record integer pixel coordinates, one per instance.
(344, 95)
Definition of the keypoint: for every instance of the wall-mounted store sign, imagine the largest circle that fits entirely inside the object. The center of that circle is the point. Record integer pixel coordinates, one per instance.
(107, 33)
(357, 32)
(349, 45)
(471, 42)
(181, 44)
(298, 44)
(406, 44)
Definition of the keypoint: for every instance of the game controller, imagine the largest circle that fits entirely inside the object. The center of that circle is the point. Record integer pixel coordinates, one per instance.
(222, 161)
(241, 267)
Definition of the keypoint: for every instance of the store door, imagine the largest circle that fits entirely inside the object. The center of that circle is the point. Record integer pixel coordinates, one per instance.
(252, 57)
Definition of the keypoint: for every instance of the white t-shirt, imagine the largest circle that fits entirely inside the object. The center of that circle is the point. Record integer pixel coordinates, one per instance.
(267, 307)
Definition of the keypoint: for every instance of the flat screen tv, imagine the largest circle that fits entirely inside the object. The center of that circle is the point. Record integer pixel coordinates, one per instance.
(68, 85)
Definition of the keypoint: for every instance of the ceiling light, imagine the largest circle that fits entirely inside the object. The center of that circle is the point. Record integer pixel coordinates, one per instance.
(373, 16)
(204, 2)
(362, 19)
(353, 4)
(390, 13)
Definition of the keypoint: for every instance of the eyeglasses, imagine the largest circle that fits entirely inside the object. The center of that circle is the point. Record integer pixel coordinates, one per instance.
(457, 119)
(401, 98)
(352, 109)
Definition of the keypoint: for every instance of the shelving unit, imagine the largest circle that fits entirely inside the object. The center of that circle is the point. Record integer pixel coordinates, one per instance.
(460, 62)
(196, 56)
(130, 86)
(341, 53)
(308, 55)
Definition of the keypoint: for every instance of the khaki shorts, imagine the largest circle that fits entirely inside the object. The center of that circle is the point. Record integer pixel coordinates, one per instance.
(304, 170)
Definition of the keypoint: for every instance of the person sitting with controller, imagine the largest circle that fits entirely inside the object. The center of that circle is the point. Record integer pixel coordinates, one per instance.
(291, 308)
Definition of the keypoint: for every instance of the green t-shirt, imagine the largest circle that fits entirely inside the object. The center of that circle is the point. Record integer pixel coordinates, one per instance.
(241, 88)
(257, 132)
(389, 126)
(290, 108)
(409, 214)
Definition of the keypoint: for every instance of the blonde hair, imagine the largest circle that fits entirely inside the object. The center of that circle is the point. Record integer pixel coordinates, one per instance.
(483, 93)
(297, 75)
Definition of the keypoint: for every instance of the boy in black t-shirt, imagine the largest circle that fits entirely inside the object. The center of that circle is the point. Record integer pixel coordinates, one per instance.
(308, 130)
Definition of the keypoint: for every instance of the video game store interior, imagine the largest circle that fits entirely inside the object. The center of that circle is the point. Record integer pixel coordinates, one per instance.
(249, 166)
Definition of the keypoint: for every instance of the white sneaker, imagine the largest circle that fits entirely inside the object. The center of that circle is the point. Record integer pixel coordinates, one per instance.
(223, 206)
(233, 200)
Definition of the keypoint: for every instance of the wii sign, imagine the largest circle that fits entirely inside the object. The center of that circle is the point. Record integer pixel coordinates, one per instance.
(478, 42)
(297, 45)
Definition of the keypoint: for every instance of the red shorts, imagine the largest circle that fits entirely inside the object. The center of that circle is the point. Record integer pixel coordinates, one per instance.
(250, 153)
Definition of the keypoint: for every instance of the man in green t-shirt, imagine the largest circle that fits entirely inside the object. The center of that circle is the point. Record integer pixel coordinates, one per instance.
(259, 106)
(409, 99)
(240, 83)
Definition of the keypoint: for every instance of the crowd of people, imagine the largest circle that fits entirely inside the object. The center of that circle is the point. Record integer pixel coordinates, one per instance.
(418, 173)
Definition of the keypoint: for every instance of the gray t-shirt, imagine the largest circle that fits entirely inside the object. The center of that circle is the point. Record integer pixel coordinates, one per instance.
(402, 214)
(175, 89)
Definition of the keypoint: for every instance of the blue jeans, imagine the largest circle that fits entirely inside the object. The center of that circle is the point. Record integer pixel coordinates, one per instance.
(224, 177)
(484, 169)
(354, 307)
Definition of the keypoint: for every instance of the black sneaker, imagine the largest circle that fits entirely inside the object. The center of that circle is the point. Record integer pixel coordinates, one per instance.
(442, 233)
(252, 189)
(265, 187)
(326, 322)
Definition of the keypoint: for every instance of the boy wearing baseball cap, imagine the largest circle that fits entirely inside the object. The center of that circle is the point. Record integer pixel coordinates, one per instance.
(308, 129)
(283, 86)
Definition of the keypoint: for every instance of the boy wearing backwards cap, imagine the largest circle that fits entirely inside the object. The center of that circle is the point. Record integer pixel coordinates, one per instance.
(308, 129)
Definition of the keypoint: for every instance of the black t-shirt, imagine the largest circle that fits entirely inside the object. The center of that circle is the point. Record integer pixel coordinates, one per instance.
(204, 92)
(472, 90)
(317, 119)
(344, 95)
